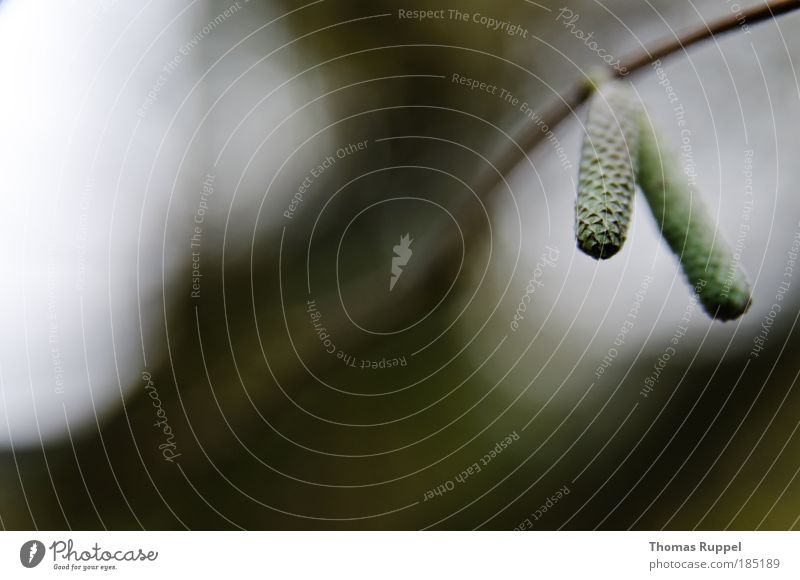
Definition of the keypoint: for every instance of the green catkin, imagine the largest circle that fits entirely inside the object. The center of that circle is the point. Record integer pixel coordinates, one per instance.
(686, 225)
(606, 178)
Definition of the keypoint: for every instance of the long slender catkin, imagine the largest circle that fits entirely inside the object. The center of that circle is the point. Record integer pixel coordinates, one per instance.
(690, 231)
(607, 171)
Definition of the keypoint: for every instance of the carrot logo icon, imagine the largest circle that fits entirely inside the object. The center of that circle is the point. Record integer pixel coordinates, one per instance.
(402, 255)
(31, 553)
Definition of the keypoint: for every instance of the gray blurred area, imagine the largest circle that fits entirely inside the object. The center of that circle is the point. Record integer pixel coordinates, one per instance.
(203, 204)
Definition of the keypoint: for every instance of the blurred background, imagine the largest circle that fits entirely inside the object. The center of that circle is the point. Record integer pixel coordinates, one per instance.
(211, 318)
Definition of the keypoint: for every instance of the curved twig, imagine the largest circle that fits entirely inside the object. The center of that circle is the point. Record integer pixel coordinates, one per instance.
(578, 94)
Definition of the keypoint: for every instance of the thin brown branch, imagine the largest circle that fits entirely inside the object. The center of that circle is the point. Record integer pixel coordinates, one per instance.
(577, 95)
(730, 23)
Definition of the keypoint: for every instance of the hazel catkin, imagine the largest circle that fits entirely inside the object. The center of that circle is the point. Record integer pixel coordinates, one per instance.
(690, 231)
(606, 178)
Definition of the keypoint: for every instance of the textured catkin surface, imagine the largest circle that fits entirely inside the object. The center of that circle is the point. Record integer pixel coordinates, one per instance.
(607, 172)
(690, 231)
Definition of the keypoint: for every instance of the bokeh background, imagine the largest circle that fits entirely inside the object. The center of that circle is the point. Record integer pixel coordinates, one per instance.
(200, 204)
